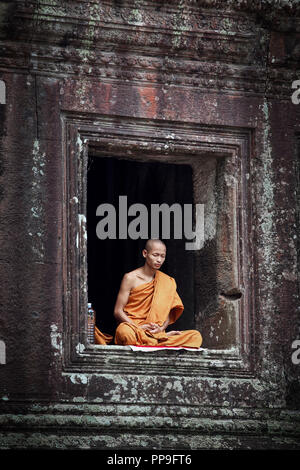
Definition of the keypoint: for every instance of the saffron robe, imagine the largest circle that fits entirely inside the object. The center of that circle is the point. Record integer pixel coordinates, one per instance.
(152, 302)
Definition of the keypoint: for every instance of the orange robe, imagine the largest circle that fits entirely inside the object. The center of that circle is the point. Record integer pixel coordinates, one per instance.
(102, 338)
(152, 302)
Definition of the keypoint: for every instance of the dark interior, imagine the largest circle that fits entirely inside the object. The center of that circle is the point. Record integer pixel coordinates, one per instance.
(108, 260)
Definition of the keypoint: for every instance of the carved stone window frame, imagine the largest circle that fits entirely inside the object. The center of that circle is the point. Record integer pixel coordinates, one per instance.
(131, 137)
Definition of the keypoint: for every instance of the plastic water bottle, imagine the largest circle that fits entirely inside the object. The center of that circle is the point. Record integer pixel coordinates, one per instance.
(91, 324)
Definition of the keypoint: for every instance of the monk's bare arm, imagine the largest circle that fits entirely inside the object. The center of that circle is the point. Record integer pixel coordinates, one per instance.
(122, 300)
(173, 332)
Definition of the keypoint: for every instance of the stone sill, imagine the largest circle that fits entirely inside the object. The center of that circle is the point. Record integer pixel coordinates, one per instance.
(114, 359)
(232, 352)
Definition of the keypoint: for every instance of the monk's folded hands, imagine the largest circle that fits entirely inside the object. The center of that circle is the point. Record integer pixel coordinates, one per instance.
(152, 327)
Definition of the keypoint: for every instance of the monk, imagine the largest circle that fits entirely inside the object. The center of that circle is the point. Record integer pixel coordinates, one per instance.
(148, 302)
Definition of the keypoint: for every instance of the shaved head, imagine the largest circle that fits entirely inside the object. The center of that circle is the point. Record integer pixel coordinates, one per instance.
(150, 244)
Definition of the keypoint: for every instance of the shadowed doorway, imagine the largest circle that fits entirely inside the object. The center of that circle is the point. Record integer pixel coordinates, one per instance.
(108, 260)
